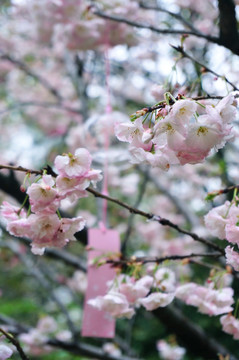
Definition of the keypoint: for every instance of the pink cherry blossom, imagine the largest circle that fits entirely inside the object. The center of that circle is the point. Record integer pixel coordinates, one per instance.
(156, 299)
(43, 196)
(226, 109)
(183, 110)
(216, 220)
(11, 212)
(49, 231)
(203, 135)
(78, 282)
(72, 188)
(20, 227)
(209, 301)
(232, 258)
(170, 352)
(74, 165)
(114, 303)
(134, 291)
(5, 352)
(232, 230)
(230, 325)
(47, 325)
(134, 133)
(69, 227)
(165, 279)
(217, 302)
(112, 349)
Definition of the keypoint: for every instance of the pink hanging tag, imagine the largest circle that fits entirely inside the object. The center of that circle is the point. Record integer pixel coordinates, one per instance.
(98, 323)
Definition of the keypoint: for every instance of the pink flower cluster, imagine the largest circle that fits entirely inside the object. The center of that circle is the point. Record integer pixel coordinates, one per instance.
(223, 222)
(170, 352)
(230, 325)
(5, 352)
(178, 134)
(72, 24)
(126, 293)
(208, 300)
(35, 340)
(43, 225)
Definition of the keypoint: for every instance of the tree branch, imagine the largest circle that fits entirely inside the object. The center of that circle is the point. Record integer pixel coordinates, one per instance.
(132, 210)
(212, 39)
(162, 221)
(177, 16)
(229, 36)
(198, 342)
(16, 343)
(158, 260)
(204, 67)
(76, 348)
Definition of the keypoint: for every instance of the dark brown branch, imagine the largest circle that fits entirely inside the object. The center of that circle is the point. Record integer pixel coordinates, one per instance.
(158, 260)
(196, 98)
(162, 221)
(76, 348)
(204, 67)
(15, 342)
(132, 210)
(229, 36)
(175, 15)
(198, 342)
(22, 169)
(213, 194)
(212, 39)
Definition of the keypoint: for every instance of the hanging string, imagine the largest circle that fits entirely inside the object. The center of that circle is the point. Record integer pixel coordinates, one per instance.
(108, 111)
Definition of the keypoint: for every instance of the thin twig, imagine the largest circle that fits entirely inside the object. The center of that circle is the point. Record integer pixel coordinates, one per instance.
(204, 67)
(177, 16)
(158, 260)
(16, 343)
(162, 221)
(212, 39)
(38, 274)
(211, 195)
(76, 348)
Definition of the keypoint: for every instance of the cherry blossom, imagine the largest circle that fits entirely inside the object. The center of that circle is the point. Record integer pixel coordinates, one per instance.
(43, 196)
(73, 166)
(178, 132)
(170, 352)
(134, 291)
(11, 212)
(216, 220)
(230, 325)
(5, 352)
(114, 303)
(156, 299)
(232, 258)
(78, 282)
(208, 301)
(112, 349)
(165, 279)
